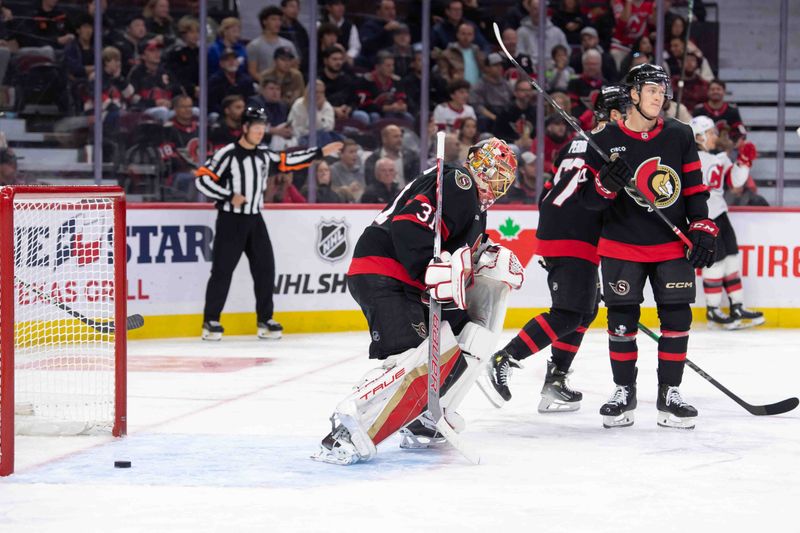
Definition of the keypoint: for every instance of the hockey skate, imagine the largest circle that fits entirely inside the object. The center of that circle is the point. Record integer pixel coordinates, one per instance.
(212, 331)
(494, 381)
(270, 330)
(347, 443)
(557, 396)
(422, 434)
(673, 412)
(746, 317)
(618, 410)
(719, 320)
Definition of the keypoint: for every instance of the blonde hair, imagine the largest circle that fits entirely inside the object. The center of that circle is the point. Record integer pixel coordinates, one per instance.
(188, 23)
(110, 53)
(227, 23)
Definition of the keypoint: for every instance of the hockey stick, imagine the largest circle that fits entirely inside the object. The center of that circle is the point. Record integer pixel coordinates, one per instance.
(683, 59)
(105, 327)
(759, 410)
(575, 126)
(434, 323)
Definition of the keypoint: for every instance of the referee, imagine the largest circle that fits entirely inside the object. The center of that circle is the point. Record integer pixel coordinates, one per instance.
(236, 177)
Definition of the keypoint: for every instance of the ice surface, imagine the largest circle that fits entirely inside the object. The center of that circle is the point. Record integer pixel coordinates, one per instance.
(224, 447)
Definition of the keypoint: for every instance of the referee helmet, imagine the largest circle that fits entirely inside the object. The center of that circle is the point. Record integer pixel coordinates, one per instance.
(254, 114)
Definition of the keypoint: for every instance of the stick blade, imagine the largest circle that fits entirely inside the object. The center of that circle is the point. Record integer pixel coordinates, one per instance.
(776, 408)
(456, 442)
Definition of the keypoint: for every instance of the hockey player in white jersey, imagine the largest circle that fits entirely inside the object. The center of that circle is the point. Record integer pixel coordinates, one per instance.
(723, 275)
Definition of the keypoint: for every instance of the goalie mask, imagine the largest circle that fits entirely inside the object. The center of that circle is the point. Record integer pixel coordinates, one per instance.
(494, 168)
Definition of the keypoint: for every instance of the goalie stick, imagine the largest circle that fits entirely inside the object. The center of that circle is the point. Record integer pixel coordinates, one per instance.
(434, 324)
(759, 410)
(101, 326)
(572, 122)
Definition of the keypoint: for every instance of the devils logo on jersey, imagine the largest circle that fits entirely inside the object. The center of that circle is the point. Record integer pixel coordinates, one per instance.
(659, 183)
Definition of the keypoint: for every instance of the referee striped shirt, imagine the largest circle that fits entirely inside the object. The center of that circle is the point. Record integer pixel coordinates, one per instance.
(234, 169)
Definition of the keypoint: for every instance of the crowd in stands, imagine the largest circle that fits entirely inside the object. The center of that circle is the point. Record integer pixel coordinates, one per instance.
(367, 87)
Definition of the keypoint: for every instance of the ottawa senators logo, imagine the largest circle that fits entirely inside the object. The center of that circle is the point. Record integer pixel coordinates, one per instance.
(659, 183)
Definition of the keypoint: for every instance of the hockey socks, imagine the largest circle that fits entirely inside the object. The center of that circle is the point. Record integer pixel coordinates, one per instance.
(622, 347)
(676, 319)
(543, 330)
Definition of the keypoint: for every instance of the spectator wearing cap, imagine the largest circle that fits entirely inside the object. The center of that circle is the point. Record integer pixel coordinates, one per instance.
(401, 50)
(131, 43)
(153, 87)
(347, 174)
(633, 18)
(228, 127)
(289, 78)
(9, 174)
(228, 34)
(523, 191)
(472, 56)
(556, 136)
(293, 31)
(725, 115)
(515, 123)
(569, 18)
(181, 58)
(261, 50)
(528, 34)
(695, 88)
(580, 89)
(590, 40)
(158, 21)
(379, 91)
(405, 161)
(383, 186)
(446, 32)
(339, 86)
(491, 93)
(558, 77)
(510, 41)
(448, 116)
(228, 80)
(279, 133)
(377, 32)
(348, 32)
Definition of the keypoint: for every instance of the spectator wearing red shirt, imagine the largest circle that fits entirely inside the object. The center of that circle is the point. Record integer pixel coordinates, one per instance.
(556, 136)
(281, 190)
(633, 18)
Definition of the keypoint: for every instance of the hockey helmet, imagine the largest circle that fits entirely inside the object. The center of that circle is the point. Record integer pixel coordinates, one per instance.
(494, 169)
(649, 74)
(254, 113)
(611, 97)
(700, 125)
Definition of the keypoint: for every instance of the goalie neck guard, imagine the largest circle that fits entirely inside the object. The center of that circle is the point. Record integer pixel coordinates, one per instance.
(494, 169)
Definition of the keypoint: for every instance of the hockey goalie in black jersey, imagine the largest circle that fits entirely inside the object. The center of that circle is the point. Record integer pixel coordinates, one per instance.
(392, 275)
(656, 158)
(567, 242)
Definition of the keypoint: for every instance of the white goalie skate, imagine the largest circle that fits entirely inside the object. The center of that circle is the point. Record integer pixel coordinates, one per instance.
(347, 443)
(421, 433)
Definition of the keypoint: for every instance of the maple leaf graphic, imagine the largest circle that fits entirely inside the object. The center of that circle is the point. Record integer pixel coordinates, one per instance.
(509, 230)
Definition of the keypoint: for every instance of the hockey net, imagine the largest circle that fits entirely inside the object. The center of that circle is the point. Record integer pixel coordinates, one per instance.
(62, 313)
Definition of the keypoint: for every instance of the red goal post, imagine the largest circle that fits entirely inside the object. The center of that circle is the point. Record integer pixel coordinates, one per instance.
(62, 313)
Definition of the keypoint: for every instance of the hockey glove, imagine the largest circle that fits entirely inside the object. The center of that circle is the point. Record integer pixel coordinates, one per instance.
(703, 234)
(747, 153)
(616, 174)
(447, 277)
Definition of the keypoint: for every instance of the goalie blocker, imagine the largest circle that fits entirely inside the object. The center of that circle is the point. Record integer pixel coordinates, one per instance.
(393, 395)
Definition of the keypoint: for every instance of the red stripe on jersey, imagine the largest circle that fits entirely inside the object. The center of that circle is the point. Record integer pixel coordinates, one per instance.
(546, 327)
(642, 135)
(624, 356)
(410, 218)
(688, 167)
(668, 356)
(568, 248)
(581, 329)
(641, 253)
(566, 347)
(523, 335)
(382, 266)
(421, 198)
(697, 189)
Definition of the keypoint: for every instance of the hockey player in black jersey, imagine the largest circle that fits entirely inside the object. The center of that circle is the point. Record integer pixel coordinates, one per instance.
(391, 276)
(657, 159)
(567, 242)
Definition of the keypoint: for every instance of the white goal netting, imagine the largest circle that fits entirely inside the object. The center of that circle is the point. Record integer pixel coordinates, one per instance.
(64, 305)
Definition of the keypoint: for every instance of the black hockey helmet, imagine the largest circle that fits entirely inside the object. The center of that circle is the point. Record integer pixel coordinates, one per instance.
(611, 97)
(254, 113)
(648, 73)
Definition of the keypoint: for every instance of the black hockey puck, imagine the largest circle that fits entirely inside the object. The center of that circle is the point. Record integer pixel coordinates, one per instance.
(122, 464)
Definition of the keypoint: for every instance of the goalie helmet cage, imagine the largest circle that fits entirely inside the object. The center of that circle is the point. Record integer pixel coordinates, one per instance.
(62, 268)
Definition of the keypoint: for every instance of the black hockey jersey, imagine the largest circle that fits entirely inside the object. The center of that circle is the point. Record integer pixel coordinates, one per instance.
(727, 118)
(566, 227)
(399, 243)
(667, 170)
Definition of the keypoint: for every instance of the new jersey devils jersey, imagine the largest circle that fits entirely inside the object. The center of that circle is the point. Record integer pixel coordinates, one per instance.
(667, 171)
(566, 227)
(399, 243)
(717, 169)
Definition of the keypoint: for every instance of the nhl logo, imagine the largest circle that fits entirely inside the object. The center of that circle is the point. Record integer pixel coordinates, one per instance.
(332, 240)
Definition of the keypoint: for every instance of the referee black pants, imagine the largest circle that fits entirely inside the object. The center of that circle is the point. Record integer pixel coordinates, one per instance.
(236, 234)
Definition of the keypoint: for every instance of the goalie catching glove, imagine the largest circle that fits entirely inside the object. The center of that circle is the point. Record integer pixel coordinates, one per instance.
(703, 234)
(448, 276)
